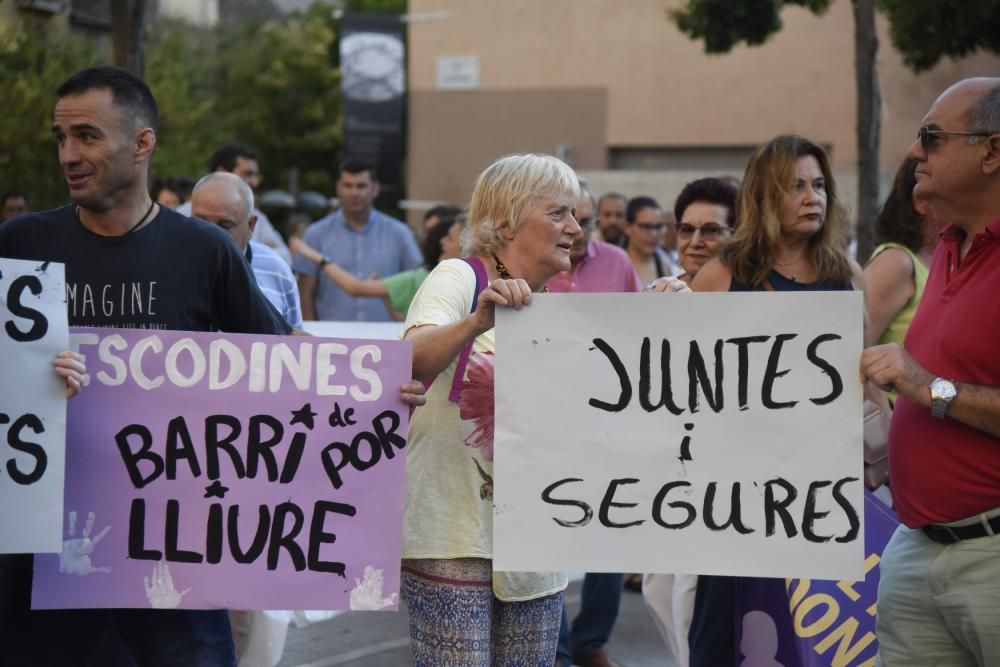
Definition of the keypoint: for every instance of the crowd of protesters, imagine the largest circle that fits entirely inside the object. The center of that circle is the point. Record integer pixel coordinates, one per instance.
(533, 225)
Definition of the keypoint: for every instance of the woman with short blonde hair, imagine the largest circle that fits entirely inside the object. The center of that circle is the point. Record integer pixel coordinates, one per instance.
(521, 228)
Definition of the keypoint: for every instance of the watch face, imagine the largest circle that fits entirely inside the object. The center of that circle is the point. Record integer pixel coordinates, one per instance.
(372, 66)
(943, 389)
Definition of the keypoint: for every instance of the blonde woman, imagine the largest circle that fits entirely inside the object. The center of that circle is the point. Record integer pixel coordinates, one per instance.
(520, 232)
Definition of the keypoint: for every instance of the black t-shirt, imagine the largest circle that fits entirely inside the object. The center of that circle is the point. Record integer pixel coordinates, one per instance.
(175, 273)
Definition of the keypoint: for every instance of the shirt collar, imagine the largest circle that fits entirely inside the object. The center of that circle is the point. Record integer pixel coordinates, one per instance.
(955, 234)
(342, 219)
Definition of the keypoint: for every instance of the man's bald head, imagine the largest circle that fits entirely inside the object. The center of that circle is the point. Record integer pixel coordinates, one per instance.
(984, 108)
(223, 198)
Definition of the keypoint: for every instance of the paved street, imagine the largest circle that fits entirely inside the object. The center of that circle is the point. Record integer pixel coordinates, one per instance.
(362, 639)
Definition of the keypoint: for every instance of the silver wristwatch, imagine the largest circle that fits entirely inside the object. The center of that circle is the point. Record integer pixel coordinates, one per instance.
(943, 392)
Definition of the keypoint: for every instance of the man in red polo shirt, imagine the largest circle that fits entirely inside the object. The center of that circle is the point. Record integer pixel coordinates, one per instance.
(939, 597)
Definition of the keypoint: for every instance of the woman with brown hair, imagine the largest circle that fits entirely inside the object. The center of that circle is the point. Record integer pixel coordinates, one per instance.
(788, 238)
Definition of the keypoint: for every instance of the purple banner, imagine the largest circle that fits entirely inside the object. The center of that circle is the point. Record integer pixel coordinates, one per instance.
(815, 623)
(209, 470)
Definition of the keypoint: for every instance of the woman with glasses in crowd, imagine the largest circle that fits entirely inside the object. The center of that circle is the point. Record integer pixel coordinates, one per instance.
(706, 211)
(644, 232)
(706, 214)
(788, 238)
(520, 233)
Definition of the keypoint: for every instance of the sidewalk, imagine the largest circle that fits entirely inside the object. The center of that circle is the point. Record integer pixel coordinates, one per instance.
(371, 639)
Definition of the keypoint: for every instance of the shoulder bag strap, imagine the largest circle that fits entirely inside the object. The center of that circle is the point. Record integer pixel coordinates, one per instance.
(463, 357)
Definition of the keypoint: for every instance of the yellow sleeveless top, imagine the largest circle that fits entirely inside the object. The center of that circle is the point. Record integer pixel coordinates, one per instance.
(896, 331)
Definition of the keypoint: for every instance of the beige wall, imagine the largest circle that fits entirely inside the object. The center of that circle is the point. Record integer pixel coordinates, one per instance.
(543, 64)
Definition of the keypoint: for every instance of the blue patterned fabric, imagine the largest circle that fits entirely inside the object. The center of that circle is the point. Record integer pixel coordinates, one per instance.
(455, 620)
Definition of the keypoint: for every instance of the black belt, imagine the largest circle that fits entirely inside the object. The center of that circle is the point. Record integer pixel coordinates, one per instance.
(952, 534)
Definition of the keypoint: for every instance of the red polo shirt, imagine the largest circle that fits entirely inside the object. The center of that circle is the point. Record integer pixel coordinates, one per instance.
(942, 470)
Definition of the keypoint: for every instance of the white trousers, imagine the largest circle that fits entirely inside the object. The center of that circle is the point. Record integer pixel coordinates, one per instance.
(670, 600)
(259, 639)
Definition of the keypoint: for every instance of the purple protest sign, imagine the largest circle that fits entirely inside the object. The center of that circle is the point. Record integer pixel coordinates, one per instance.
(815, 623)
(209, 470)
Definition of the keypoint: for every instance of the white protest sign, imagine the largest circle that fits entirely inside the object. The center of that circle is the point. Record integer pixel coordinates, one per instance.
(692, 433)
(33, 330)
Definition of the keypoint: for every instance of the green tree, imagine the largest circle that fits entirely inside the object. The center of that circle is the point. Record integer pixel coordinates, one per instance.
(272, 84)
(34, 60)
(182, 71)
(924, 31)
(279, 90)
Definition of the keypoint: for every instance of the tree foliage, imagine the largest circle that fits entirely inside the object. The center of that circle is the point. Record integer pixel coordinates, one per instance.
(724, 23)
(272, 84)
(281, 94)
(179, 70)
(33, 62)
(925, 32)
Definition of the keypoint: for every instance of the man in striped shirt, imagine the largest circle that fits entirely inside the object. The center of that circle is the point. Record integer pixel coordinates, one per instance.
(226, 200)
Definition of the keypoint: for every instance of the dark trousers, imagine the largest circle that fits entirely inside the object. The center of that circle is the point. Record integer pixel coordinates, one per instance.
(600, 598)
(105, 637)
(712, 637)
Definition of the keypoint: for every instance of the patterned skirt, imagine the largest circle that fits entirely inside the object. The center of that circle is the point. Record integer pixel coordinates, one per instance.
(456, 621)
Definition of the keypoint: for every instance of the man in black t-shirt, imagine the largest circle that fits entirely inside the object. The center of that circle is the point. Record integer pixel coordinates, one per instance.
(129, 263)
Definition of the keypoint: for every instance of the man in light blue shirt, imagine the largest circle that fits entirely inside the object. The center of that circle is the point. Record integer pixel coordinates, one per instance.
(360, 240)
(224, 199)
(276, 281)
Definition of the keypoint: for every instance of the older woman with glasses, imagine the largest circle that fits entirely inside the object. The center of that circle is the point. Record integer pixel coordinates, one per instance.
(644, 229)
(706, 214)
(706, 211)
(521, 229)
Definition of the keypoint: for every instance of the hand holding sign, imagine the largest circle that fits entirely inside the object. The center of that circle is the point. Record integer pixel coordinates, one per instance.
(669, 284)
(891, 367)
(513, 293)
(70, 366)
(75, 556)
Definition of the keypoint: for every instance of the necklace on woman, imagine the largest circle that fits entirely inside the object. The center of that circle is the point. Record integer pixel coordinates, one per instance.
(135, 226)
(793, 263)
(505, 274)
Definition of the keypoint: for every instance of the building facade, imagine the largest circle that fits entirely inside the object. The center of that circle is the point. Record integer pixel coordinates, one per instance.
(631, 102)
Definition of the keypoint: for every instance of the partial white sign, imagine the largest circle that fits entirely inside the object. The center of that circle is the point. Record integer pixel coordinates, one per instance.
(338, 329)
(702, 434)
(33, 330)
(458, 72)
